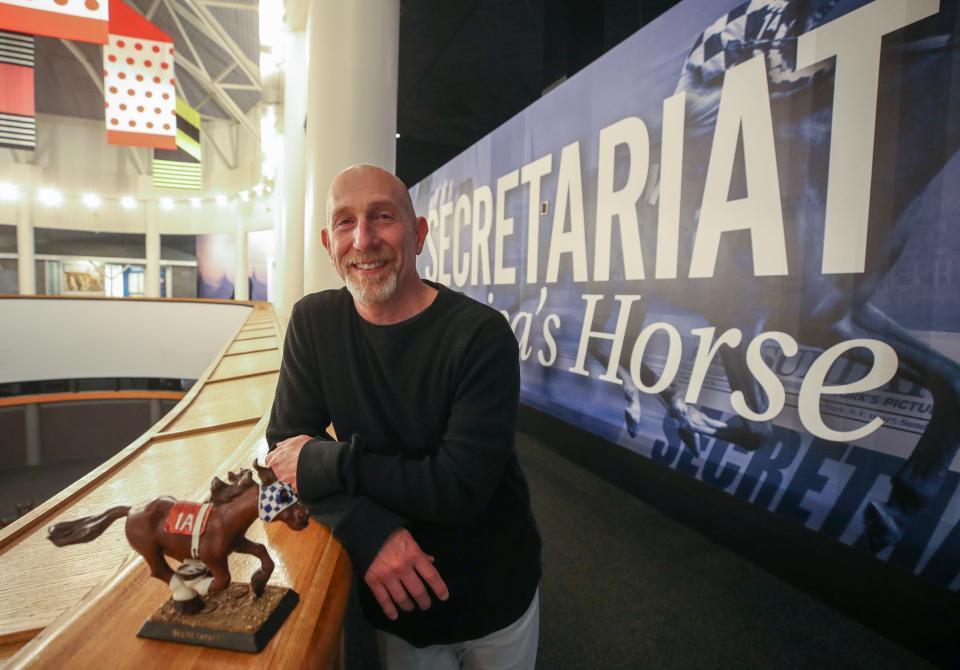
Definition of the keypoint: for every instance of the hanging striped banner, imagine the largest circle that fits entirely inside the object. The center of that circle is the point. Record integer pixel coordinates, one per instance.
(18, 122)
(139, 86)
(181, 169)
(83, 20)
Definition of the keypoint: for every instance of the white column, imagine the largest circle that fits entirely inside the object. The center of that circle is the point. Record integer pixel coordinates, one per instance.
(241, 280)
(31, 417)
(155, 413)
(289, 195)
(151, 277)
(26, 260)
(351, 106)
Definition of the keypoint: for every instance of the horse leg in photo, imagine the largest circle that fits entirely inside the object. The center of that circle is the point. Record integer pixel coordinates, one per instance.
(920, 477)
(691, 422)
(634, 412)
(599, 352)
(751, 435)
(258, 582)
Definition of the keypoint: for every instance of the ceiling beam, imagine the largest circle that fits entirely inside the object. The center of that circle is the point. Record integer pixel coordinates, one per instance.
(225, 71)
(186, 38)
(153, 9)
(208, 24)
(135, 157)
(221, 96)
(223, 157)
(226, 4)
(94, 73)
(180, 91)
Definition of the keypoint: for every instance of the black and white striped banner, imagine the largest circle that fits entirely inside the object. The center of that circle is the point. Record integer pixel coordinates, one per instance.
(18, 123)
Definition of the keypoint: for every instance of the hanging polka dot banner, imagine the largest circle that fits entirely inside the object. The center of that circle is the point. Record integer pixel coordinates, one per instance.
(82, 20)
(140, 101)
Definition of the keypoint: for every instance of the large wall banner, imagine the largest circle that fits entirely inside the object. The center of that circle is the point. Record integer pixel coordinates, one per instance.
(731, 245)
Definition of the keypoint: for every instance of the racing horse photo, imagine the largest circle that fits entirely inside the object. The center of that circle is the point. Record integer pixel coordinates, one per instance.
(916, 136)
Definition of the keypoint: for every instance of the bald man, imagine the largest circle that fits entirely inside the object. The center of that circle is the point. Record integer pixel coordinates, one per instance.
(427, 494)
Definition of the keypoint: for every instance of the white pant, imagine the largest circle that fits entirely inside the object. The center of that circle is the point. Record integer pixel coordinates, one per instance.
(510, 648)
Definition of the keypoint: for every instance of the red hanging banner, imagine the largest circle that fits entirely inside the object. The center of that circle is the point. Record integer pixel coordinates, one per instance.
(82, 20)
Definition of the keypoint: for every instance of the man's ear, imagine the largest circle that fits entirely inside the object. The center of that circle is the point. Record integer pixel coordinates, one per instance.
(422, 230)
(325, 238)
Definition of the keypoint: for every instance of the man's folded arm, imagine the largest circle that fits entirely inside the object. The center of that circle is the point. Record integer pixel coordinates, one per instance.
(361, 525)
(299, 406)
(455, 483)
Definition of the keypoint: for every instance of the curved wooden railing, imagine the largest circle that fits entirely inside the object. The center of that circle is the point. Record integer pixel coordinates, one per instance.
(80, 605)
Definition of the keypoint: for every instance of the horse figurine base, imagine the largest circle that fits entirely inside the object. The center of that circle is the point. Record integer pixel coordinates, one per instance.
(233, 619)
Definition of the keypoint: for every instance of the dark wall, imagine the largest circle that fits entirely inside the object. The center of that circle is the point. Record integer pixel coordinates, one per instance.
(9, 280)
(76, 430)
(8, 239)
(178, 247)
(84, 243)
(13, 437)
(90, 429)
(184, 282)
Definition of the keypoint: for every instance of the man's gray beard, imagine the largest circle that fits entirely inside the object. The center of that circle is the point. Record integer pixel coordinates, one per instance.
(372, 293)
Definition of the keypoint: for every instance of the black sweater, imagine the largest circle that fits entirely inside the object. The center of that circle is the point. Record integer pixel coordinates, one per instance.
(430, 407)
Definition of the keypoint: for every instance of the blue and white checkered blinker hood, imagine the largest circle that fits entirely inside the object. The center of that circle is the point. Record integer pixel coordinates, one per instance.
(274, 499)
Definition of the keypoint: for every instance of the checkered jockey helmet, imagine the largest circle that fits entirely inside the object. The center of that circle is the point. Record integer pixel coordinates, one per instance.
(274, 499)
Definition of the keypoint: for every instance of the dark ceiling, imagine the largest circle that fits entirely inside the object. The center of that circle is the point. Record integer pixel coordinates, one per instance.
(466, 66)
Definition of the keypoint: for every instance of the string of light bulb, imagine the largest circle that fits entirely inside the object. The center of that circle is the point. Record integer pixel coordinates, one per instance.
(52, 197)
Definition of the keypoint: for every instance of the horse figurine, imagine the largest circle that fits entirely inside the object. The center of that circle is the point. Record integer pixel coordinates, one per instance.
(201, 535)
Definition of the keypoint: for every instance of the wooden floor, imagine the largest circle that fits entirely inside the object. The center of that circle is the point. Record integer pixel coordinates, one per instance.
(68, 592)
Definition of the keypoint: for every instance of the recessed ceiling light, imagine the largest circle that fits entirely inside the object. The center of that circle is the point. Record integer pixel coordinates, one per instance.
(91, 200)
(221, 200)
(9, 192)
(128, 202)
(195, 203)
(50, 197)
(166, 203)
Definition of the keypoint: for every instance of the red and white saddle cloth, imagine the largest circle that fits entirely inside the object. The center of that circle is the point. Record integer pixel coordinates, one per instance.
(188, 518)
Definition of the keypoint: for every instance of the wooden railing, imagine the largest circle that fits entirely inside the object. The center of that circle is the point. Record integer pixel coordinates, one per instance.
(81, 605)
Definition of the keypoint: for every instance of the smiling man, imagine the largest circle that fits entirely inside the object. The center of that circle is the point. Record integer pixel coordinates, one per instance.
(427, 495)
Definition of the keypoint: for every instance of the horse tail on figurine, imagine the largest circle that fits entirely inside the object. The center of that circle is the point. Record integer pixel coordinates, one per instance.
(86, 528)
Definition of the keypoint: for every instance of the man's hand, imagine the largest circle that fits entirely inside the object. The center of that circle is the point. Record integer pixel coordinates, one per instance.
(400, 568)
(283, 459)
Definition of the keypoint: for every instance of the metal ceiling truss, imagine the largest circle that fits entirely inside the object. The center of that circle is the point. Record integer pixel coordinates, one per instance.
(226, 4)
(233, 159)
(201, 19)
(220, 95)
(152, 10)
(186, 38)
